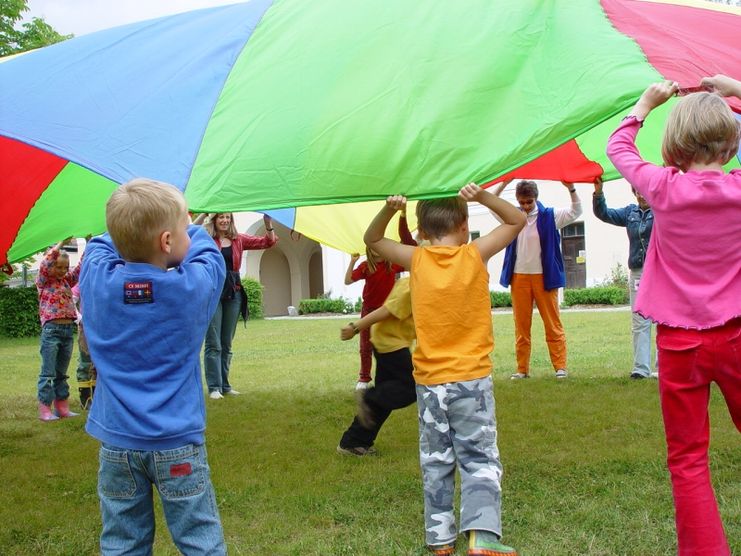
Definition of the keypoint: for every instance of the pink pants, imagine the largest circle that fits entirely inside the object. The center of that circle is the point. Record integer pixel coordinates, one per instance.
(689, 361)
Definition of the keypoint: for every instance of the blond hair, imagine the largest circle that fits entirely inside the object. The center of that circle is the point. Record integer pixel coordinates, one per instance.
(210, 225)
(439, 217)
(372, 260)
(138, 212)
(701, 128)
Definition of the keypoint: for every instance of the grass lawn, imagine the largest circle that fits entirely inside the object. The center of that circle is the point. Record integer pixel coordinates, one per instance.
(583, 458)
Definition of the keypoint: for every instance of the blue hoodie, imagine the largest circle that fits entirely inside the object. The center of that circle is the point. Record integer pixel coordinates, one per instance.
(145, 327)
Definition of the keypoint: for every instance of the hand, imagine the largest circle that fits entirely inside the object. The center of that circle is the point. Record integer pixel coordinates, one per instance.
(657, 94)
(397, 202)
(598, 185)
(470, 192)
(267, 221)
(354, 257)
(722, 84)
(347, 332)
(567, 184)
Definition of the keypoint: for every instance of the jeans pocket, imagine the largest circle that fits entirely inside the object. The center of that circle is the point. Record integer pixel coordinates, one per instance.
(678, 351)
(115, 479)
(181, 472)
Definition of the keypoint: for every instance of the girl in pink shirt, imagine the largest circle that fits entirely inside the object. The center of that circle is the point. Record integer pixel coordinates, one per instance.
(57, 313)
(691, 285)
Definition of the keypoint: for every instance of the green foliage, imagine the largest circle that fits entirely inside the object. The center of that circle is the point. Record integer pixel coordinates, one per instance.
(618, 277)
(253, 288)
(600, 295)
(33, 34)
(19, 312)
(500, 299)
(326, 305)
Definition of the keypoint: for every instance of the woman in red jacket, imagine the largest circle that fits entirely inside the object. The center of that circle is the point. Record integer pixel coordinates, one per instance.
(218, 352)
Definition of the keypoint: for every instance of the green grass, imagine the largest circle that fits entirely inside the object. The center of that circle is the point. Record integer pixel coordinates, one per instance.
(583, 458)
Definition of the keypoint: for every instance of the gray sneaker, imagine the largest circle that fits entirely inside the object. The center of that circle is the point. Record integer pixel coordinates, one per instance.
(562, 373)
(357, 451)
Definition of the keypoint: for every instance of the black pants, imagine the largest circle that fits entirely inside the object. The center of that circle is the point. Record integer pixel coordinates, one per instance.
(394, 389)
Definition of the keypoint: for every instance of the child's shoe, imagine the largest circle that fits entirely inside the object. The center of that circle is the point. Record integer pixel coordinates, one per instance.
(486, 543)
(358, 451)
(86, 397)
(362, 385)
(442, 549)
(45, 413)
(61, 409)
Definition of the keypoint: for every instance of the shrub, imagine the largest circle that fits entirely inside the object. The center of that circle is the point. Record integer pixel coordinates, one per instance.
(500, 299)
(326, 305)
(253, 288)
(19, 312)
(600, 295)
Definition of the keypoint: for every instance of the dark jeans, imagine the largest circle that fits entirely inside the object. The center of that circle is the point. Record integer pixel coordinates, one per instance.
(394, 389)
(56, 351)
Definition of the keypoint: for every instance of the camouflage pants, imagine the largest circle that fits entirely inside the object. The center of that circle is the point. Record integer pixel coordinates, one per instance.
(457, 427)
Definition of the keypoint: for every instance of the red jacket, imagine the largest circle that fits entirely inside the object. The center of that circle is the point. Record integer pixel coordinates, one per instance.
(244, 242)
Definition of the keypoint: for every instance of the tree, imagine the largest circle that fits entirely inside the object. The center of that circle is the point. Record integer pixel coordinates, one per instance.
(30, 35)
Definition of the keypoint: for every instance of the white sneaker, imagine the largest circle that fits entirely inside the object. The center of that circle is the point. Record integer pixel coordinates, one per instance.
(519, 376)
(216, 395)
(232, 393)
(562, 373)
(362, 385)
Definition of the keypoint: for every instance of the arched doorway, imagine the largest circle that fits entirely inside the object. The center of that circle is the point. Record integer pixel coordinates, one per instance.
(275, 276)
(316, 275)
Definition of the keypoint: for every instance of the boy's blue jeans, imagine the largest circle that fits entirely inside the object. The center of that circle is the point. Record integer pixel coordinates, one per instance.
(56, 351)
(183, 480)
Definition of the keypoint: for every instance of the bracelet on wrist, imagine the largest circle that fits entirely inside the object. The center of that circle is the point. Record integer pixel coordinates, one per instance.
(572, 190)
(355, 329)
(269, 229)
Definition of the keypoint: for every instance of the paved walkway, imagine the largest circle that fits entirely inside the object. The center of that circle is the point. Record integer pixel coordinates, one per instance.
(497, 311)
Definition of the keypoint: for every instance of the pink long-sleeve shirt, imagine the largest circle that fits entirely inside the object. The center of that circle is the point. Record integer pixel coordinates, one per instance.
(692, 274)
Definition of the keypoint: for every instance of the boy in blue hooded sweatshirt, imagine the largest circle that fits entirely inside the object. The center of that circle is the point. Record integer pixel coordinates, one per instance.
(149, 409)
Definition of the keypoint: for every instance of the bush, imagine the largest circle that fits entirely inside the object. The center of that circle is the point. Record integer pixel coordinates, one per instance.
(253, 288)
(19, 312)
(326, 305)
(500, 299)
(600, 295)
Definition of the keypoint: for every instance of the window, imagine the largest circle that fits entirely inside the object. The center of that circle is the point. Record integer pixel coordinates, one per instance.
(573, 230)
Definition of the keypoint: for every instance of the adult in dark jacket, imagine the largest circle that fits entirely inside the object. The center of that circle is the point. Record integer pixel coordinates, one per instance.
(638, 221)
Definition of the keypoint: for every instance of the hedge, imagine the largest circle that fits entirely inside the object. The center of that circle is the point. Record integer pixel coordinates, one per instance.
(253, 288)
(600, 295)
(500, 299)
(326, 305)
(19, 312)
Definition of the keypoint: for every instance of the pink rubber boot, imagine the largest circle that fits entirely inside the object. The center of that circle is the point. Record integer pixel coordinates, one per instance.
(45, 413)
(61, 409)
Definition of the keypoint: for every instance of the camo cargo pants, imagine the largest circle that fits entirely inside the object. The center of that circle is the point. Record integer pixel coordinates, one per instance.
(457, 426)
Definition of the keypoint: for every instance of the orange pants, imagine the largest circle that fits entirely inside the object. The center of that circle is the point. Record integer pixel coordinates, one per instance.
(526, 288)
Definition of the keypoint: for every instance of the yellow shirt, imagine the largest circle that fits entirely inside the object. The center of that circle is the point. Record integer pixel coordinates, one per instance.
(452, 314)
(398, 332)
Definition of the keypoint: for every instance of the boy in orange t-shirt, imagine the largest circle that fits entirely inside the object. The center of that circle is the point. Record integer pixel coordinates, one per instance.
(452, 315)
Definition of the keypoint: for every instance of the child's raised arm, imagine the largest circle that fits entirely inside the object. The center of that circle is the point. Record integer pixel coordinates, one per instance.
(655, 95)
(374, 237)
(723, 85)
(348, 273)
(512, 218)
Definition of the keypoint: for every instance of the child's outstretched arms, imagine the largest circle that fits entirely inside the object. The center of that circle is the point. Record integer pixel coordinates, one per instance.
(349, 331)
(723, 85)
(655, 95)
(512, 220)
(374, 237)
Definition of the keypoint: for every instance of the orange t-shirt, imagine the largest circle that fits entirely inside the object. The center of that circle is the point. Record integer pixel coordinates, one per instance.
(452, 314)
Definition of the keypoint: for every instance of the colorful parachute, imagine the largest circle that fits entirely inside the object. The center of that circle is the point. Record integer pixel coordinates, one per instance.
(288, 104)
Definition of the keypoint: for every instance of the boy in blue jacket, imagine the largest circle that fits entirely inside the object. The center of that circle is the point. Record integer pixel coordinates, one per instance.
(151, 286)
